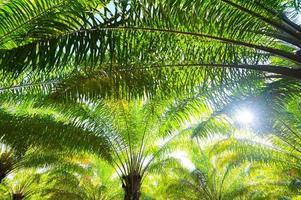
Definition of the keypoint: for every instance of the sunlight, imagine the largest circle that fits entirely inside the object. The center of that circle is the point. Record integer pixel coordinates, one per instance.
(11, 176)
(182, 156)
(244, 116)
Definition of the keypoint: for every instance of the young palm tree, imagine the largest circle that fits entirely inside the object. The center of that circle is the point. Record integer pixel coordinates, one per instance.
(136, 130)
(25, 184)
(228, 168)
(89, 178)
(51, 174)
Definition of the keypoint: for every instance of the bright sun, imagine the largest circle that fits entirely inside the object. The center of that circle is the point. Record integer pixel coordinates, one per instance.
(244, 116)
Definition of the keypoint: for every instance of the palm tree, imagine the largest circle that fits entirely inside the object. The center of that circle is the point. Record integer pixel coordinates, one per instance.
(111, 45)
(25, 184)
(89, 178)
(54, 51)
(136, 129)
(272, 22)
(51, 174)
(124, 133)
(230, 168)
(8, 161)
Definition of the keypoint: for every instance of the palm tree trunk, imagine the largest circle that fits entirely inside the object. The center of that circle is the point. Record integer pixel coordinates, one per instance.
(131, 186)
(2, 173)
(4, 170)
(18, 196)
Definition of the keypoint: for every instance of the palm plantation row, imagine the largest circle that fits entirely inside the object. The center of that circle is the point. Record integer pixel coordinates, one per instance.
(141, 99)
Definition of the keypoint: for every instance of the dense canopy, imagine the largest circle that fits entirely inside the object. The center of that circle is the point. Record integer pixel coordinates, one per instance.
(150, 99)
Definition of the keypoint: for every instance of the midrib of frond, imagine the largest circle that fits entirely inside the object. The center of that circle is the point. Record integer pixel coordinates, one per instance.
(25, 86)
(273, 51)
(264, 19)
